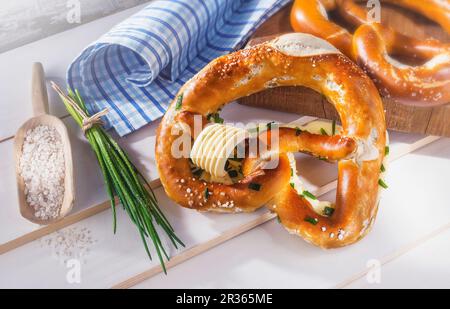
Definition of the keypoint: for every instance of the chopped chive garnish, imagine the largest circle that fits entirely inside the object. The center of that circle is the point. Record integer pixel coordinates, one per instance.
(298, 131)
(254, 186)
(382, 184)
(292, 185)
(206, 194)
(323, 159)
(232, 173)
(215, 118)
(179, 102)
(328, 211)
(386, 150)
(309, 194)
(333, 128)
(269, 125)
(292, 172)
(323, 132)
(383, 169)
(313, 221)
(197, 171)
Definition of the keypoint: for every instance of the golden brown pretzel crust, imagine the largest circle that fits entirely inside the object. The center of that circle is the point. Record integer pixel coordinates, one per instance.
(353, 216)
(397, 43)
(268, 65)
(427, 85)
(414, 85)
(436, 10)
(311, 17)
(333, 148)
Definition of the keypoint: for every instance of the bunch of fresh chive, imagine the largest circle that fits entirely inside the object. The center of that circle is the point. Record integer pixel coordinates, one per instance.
(124, 180)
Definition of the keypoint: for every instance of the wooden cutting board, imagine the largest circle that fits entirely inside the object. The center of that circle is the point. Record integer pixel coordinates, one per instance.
(432, 121)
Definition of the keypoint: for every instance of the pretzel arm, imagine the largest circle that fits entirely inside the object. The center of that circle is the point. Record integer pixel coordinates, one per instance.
(348, 223)
(396, 43)
(435, 10)
(331, 148)
(311, 17)
(425, 85)
(372, 44)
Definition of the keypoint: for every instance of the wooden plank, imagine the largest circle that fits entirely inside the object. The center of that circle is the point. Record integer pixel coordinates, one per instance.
(404, 118)
(439, 122)
(396, 254)
(95, 209)
(232, 233)
(303, 101)
(196, 250)
(289, 99)
(64, 222)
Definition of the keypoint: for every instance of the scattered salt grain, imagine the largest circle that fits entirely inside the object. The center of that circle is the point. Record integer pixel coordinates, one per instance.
(42, 169)
(69, 243)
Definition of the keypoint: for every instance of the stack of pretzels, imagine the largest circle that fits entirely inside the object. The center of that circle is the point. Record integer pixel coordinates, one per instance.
(372, 45)
(358, 145)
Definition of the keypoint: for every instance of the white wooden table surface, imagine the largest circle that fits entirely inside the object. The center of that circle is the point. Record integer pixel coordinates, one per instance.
(410, 240)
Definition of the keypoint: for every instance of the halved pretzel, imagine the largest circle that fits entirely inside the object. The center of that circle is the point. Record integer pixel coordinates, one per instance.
(292, 59)
(372, 43)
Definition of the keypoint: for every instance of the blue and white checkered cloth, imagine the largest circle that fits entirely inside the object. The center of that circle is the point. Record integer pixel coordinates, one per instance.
(137, 67)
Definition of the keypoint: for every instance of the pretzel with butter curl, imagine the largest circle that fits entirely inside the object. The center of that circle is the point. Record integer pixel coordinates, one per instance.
(289, 60)
(372, 44)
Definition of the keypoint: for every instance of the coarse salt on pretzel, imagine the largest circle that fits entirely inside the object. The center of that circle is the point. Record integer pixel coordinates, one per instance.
(372, 44)
(289, 60)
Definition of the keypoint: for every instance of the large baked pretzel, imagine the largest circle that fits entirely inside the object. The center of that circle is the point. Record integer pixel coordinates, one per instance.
(372, 43)
(289, 60)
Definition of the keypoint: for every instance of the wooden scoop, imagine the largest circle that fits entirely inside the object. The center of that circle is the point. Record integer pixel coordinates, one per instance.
(39, 100)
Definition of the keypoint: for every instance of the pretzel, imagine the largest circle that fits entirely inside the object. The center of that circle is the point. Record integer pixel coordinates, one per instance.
(289, 60)
(372, 43)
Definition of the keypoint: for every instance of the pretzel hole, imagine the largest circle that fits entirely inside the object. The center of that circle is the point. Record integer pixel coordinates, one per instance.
(303, 164)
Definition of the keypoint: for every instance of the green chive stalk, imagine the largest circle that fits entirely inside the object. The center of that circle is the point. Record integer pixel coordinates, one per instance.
(123, 179)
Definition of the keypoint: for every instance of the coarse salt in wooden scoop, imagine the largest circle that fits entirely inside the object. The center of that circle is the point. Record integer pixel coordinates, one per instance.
(43, 160)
